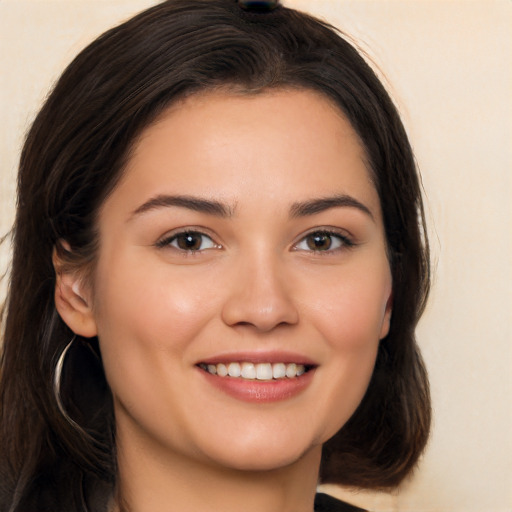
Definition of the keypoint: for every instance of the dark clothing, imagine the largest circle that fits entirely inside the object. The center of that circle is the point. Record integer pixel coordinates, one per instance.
(326, 503)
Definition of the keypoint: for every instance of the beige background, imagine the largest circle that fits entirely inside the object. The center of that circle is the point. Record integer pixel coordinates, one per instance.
(449, 63)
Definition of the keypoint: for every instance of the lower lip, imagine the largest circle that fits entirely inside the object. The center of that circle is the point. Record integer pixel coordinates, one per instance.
(260, 391)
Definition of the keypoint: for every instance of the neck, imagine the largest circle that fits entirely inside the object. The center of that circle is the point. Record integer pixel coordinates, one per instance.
(185, 485)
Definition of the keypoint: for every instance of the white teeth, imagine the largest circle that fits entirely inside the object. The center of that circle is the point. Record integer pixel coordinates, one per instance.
(264, 371)
(291, 370)
(222, 371)
(279, 370)
(234, 370)
(260, 371)
(248, 371)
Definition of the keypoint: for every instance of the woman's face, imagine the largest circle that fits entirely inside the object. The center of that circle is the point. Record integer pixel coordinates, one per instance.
(246, 236)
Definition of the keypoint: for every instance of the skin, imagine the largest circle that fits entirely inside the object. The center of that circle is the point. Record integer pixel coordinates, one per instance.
(254, 285)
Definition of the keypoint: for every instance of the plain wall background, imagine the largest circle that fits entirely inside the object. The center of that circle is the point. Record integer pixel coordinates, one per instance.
(448, 65)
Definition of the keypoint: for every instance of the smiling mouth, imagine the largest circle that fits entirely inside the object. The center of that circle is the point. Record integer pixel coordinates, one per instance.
(256, 371)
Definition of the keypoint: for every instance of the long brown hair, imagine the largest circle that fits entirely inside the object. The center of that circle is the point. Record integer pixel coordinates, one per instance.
(72, 159)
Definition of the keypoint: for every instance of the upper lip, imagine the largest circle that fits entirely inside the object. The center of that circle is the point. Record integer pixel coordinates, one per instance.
(277, 356)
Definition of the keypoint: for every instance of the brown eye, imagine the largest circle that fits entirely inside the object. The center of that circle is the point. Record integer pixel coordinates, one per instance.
(319, 241)
(189, 241)
(324, 241)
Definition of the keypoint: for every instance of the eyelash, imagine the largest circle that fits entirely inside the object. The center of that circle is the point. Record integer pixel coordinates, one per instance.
(169, 241)
(344, 241)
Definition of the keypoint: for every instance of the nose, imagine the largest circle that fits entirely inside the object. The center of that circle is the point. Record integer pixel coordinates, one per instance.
(259, 296)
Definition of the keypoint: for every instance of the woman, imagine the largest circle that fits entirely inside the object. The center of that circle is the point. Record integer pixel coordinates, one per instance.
(218, 267)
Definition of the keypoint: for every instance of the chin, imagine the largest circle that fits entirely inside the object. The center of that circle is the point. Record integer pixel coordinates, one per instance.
(261, 455)
(259, 462)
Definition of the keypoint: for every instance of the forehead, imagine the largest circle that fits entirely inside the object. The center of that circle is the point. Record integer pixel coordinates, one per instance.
(286, 144)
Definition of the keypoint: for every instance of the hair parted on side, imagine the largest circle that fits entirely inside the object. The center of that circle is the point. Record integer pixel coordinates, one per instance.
(72, 159)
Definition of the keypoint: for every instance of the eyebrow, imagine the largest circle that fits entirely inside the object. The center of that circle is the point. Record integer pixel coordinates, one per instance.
(218, 209)
(322, 204)
(208, 206)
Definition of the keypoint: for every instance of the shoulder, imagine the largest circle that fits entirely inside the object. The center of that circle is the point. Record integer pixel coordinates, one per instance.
(326, 503)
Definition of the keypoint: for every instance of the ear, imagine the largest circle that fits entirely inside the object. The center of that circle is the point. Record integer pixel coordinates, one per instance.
(71, 303)
(386, 321)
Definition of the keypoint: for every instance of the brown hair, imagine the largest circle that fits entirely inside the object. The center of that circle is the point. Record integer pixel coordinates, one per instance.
(73, 157)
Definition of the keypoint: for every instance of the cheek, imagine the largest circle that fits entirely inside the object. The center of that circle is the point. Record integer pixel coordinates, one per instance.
(351, 311)
(349, 316)
(142, 309)
(149, 320)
